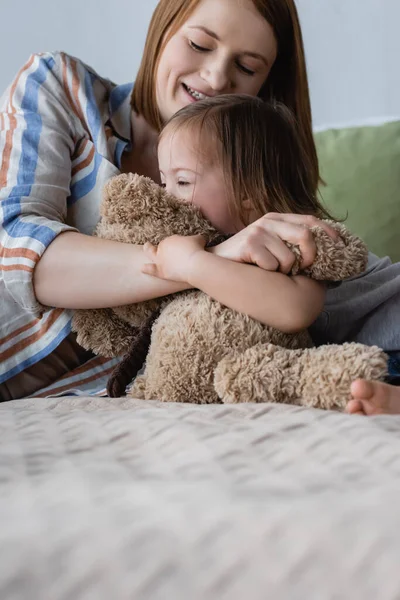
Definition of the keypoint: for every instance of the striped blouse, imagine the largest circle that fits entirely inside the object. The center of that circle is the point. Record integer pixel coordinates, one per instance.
(63, 130)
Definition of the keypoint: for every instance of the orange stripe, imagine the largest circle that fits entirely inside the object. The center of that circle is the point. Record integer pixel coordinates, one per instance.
(18, 253)
(66, 85)
(84, 163)
(64, 388)
(109, 133)
(5, 163)
(80, 149)
(75, 89)
(87, 366)
(18, 331)
(16, 268)
(14, 86)
(56, 313)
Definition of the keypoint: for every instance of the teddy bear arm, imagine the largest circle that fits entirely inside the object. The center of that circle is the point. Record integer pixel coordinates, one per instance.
(102, 332)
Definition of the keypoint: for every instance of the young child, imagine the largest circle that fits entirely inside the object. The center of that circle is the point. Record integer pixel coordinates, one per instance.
(241, 161)
(238, 158)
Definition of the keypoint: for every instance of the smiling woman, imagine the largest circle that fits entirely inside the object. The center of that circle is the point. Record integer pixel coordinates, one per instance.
(65, 130)
(215, 53)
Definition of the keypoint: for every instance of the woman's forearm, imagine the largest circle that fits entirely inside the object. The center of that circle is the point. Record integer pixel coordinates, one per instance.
(80, 271)
(289, 304)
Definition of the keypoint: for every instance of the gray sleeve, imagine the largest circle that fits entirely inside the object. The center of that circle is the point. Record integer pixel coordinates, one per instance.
(364, 309)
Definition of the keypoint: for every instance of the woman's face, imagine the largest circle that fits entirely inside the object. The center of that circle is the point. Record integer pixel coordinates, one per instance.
(224, 47)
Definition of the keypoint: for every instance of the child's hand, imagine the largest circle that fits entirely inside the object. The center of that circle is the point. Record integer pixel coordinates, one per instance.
(172, 258)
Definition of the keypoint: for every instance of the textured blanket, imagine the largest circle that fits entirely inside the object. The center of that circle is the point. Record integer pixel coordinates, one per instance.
(122, 499)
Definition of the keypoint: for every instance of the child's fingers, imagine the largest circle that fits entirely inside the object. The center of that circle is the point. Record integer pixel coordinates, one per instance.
(149, 250)
(150, 269)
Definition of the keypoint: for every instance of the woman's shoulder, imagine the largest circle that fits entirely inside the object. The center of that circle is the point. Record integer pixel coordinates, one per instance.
(50, 82)
(70, 66)
(60, 70)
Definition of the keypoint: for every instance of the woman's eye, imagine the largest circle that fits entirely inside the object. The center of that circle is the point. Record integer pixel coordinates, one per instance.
(198, 48)
(183, 183)
(246, 70)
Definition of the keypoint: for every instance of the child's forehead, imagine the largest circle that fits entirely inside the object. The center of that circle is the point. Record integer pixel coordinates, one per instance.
(190, 141)
(180, 134)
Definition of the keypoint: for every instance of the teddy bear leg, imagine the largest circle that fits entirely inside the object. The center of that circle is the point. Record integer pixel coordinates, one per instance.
(317, 377)
(325, 374)
(251, 376)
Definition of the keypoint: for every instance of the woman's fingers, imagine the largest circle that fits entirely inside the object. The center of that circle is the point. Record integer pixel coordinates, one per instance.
(273, 254)
(264, 242)
(264, 259)
(295, 234)
(306, 221)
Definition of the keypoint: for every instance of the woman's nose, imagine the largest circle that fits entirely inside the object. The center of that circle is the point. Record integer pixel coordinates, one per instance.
(217, 75)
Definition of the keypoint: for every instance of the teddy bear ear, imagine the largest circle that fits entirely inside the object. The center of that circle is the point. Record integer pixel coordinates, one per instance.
(128, 196)
(338, 260)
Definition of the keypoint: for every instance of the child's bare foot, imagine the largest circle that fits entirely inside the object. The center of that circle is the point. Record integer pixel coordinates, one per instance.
(373, 398)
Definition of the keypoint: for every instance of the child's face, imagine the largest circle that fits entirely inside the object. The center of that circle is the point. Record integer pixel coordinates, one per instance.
(184, 175)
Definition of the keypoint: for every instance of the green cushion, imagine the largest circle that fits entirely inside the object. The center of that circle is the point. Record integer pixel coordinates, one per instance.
(361, 169)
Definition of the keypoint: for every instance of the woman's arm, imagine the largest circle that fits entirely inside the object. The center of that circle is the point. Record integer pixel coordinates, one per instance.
(80, 271)
(287, 303)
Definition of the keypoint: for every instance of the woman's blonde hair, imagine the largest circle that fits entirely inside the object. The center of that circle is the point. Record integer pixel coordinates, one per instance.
(287, 81)
(260, 150)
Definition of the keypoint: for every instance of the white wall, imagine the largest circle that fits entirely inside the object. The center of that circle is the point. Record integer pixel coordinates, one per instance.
(108, 35)
(353, 52)
(352, 47)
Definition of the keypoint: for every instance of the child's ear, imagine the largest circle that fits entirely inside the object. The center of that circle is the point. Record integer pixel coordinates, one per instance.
(247, 204)
(251, 213)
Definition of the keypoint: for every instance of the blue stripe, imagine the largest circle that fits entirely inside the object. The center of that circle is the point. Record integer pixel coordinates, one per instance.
(84, 186)
(28, 161)
(118, 151)
(40, 355)
(118, 96)
(74, 381)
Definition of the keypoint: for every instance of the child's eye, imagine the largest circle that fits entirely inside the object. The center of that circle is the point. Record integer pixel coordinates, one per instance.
(198, 48)
(246, 70)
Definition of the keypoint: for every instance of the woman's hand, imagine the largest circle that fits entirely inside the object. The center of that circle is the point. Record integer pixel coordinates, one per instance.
(263, 242)
(172, 258)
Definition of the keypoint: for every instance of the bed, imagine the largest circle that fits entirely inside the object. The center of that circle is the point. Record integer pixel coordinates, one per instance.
(127, 499)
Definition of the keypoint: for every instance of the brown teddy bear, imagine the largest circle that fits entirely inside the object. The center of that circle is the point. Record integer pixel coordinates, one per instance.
(202, 351)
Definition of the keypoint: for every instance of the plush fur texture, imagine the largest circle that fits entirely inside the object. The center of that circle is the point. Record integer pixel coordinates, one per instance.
(202, 351)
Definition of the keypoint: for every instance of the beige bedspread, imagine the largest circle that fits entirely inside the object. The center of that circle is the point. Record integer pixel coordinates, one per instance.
(121, 499)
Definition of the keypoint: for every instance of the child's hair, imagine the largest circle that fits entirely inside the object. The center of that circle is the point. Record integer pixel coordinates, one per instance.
(259, 147)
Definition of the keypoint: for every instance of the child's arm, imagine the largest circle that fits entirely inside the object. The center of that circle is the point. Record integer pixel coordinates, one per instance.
(287, 303)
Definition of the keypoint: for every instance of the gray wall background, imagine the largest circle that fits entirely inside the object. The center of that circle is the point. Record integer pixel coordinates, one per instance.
(352, 47)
